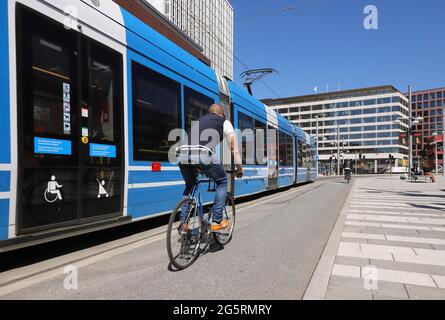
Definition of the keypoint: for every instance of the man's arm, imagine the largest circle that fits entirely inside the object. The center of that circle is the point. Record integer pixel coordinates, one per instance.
(236, 156)
(229, 132)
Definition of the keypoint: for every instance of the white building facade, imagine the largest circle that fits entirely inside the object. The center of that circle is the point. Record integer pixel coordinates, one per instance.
(362, 124)
(209, 23)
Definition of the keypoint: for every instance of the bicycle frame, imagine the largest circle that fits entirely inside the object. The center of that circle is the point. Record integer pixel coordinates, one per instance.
(195, 194)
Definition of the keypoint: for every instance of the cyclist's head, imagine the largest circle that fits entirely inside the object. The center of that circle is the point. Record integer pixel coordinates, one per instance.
(218, 110)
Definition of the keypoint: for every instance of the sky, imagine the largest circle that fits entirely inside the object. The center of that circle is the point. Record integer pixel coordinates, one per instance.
(324, 44)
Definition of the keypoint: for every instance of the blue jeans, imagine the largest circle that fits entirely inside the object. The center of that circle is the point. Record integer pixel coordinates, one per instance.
(218, 175)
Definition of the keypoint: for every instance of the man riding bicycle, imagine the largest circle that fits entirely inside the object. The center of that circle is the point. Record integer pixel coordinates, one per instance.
(194, 158)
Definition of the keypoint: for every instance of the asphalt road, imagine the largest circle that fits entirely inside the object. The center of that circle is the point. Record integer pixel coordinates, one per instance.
(277, 243)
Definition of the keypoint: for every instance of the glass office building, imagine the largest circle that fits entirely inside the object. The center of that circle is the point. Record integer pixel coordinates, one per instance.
(209, 23)
(361, 123)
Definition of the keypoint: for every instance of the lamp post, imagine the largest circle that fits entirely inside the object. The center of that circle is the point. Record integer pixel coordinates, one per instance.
(338, 150)
(436, 161)
(324, 139)
(410, 133)
(318, 172)
(412, 122)
(443, 140)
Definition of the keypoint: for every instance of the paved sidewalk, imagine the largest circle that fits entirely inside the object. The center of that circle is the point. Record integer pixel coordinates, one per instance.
(389, 243)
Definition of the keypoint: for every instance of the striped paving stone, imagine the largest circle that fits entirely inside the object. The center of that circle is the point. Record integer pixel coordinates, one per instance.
(400, 228)
(387, 218)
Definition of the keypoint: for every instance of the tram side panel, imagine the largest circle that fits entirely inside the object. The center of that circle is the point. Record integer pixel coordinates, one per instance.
(5, 127)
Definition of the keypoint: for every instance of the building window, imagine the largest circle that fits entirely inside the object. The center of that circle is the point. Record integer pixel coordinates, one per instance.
(355, 103)
(370, 111)
(383, 100)
(370, 102)
(156, 111)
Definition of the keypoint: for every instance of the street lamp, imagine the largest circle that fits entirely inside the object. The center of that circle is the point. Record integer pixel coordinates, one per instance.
(443, 140)
(332, 157)
(318, 172)
(324, 139)
(435, 134)
(338, 149)
(412, 121)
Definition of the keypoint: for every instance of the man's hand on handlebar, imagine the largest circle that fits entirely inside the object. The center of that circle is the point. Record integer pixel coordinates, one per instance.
(239, 172)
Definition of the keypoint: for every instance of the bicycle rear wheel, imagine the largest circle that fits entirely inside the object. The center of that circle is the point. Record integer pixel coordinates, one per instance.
(183, 242)
(225, 236)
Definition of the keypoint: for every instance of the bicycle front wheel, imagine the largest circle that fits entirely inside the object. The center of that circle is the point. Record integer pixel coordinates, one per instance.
(184, 234)
(225, 236)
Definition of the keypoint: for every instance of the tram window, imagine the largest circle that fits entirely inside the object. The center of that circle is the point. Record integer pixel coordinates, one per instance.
(282, 148)
(104, 95)
(289, 152)
(246, 138)
(260, 143)
(195, 106)
(309, 159)
(51, 69)
(300, 154)
(156, 111)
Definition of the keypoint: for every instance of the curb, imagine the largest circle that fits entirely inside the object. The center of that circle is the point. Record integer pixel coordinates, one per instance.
(319, 282)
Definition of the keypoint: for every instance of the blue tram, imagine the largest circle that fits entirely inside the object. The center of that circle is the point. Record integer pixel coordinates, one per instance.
(89, 94)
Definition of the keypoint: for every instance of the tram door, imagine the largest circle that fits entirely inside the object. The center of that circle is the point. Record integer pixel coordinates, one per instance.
(70, 126)
(272, 158)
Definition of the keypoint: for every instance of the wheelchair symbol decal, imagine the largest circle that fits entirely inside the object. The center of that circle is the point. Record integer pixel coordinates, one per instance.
(52, 192)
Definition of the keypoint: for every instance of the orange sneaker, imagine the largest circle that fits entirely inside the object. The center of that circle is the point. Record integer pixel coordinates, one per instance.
(215, 227)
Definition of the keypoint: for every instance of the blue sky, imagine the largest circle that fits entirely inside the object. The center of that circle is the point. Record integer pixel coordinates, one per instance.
(323, 42)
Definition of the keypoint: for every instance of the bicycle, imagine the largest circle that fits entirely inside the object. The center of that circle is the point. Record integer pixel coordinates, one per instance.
(348, 176)
(189, 241)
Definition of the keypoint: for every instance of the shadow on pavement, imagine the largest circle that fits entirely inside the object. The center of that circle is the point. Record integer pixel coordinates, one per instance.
(421, 206)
